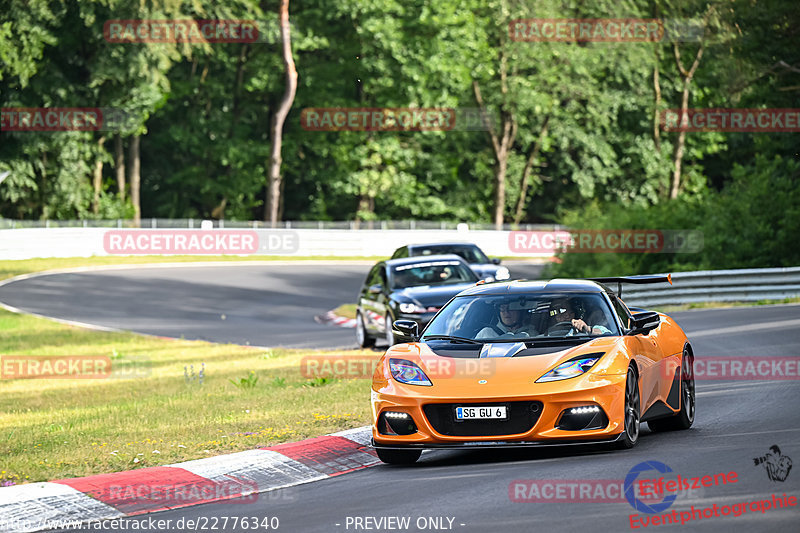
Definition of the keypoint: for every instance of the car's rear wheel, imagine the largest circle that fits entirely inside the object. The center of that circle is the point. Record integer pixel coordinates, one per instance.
(630, 433)
(398, 457)
(362, 337)
(684, 418)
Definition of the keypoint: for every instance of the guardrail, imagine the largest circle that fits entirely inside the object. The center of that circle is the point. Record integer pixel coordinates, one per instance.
(28, 243)
(191, 223)
(741, 285)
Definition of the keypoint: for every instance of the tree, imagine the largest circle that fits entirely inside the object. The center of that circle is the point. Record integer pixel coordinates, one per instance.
(274, 172)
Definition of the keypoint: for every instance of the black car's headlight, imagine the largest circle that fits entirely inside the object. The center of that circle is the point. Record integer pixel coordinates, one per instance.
(502, 273)
(411, 308)
(572, 368)
(408, 372)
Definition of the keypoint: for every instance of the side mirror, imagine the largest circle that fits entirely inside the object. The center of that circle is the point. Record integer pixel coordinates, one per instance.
(495, 260)
(408, 330)
(376, 289)
(644, 322)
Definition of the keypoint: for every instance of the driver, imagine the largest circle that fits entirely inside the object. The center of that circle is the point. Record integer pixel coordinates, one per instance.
(562, 310)
(510, 323)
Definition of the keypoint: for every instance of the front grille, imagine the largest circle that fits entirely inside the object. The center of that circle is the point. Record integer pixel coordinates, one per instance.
(522, 416)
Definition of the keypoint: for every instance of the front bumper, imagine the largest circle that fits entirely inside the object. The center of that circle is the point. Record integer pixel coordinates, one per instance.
(555, 398)
(491, 444)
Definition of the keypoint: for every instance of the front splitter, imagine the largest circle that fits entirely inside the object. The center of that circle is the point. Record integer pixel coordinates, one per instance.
(491, 444)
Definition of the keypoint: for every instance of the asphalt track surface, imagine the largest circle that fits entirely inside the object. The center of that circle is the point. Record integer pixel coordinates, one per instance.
(736, 421)
(271, 305)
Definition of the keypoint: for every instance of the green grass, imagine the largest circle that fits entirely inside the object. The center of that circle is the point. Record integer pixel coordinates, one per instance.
(160, 414)
(55, 428)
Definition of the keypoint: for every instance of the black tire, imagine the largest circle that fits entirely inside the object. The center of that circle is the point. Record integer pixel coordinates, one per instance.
(390, 339)
(398, 457)
(632, 411)
(362, 337)
(684, 418)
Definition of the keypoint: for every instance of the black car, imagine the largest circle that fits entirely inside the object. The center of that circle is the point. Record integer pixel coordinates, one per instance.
(413, 288)
(484, 268)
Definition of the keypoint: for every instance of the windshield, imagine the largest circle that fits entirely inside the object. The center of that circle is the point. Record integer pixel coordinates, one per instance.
(517, 317)
(431, 273)
(470, 254)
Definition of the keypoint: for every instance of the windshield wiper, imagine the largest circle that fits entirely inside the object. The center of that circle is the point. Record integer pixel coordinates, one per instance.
(450, 338)
(558, 340)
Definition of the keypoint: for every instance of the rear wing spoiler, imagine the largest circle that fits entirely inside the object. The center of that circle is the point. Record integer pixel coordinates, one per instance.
(619, 280)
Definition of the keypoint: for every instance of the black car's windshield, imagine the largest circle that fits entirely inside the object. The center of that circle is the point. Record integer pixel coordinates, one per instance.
(436, 272)
(521, 317)
(471, 254)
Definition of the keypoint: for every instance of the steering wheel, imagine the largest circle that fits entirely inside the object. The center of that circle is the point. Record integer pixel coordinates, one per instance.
(560, 329)
(515, 334)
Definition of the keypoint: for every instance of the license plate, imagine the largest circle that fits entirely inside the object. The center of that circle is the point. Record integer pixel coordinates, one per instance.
(481, 413)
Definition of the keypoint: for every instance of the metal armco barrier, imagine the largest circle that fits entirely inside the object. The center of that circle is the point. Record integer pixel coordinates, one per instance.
(741, 285)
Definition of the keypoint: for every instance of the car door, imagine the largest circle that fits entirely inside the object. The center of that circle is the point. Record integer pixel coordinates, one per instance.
(647, 353)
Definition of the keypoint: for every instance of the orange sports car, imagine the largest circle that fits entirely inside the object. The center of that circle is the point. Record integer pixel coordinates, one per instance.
(532, 363)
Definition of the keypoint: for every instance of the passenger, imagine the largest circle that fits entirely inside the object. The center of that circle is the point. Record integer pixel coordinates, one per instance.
(562, 311)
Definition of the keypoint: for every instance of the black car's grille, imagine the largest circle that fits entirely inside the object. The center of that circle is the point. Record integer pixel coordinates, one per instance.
(522, 416)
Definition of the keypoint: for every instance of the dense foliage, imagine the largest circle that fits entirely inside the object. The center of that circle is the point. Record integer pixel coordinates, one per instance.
(584, 141)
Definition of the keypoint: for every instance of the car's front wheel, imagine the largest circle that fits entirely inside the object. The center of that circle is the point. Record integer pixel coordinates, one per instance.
(398, 457)
(362, 337)
(390, 340)
(630, 433)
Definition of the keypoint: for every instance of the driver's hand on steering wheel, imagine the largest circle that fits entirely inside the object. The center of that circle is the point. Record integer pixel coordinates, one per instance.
(581, 326)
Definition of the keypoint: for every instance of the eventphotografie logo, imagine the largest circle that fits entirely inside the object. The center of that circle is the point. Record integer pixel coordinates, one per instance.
(637, 502)
(775, 463)
(199, 242)
(785, 120)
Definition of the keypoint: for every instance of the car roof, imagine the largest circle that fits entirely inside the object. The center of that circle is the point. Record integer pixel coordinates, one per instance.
(526, 286)
(448, 243)
(423, 259)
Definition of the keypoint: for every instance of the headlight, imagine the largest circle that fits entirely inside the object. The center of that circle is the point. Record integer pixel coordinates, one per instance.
(411, 308)
(502, 273)
(408, 372)
(572, 368)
